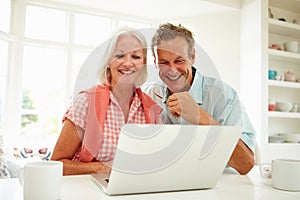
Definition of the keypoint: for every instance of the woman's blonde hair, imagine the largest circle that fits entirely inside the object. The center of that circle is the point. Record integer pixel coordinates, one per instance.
(104, 70)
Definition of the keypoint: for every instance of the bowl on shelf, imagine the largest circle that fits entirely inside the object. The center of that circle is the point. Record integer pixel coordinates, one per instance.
(276, 46)
(291, 46)
(276, 138)
(283, 106)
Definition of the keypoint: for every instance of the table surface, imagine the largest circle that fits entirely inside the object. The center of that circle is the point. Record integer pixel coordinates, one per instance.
(230, 186)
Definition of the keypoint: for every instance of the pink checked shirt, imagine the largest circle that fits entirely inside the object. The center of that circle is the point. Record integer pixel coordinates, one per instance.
(77, 113)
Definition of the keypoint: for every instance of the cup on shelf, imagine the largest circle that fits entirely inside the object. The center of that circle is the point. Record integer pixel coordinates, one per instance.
(272, 104)
(296, 21)
(291, 46)
(279, 78)
(272, 74)
(295, 107)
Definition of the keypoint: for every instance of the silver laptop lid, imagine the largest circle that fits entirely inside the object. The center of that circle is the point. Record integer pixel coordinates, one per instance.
(157, 158)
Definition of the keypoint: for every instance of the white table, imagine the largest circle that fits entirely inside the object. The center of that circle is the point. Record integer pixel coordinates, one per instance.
(231, 186)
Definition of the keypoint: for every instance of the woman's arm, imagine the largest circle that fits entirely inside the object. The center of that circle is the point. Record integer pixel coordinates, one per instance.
(67, 145)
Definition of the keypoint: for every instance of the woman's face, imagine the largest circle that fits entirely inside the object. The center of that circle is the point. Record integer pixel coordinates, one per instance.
(127, 62)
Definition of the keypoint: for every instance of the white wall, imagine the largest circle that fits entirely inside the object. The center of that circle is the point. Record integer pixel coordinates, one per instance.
(217, 38)
(252, 74)
(218, 34)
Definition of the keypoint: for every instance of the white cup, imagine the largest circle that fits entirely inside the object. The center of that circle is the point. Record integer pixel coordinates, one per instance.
(284, 174)
(42, 180)
(295, 107)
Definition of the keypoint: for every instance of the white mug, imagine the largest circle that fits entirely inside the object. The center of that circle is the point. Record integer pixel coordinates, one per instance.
(284, 174)
(42, 180)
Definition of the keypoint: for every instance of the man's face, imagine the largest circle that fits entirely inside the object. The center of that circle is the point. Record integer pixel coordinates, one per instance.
(175, 64)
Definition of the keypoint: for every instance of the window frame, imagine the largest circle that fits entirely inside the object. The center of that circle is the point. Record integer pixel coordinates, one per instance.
(17, 40)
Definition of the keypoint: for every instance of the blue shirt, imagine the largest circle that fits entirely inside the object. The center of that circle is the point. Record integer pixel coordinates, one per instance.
(216, 97)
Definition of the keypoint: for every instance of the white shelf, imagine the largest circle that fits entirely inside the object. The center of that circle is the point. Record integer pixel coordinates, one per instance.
(280, 32)
(285, 84)
(277, 114)
(284, 28)
(287, 144)
(284, 56)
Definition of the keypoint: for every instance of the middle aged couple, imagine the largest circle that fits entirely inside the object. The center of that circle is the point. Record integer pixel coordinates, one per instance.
(92, 123)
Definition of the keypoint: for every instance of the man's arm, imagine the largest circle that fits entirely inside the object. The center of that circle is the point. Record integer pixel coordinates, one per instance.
(242, 158)
(182, 104)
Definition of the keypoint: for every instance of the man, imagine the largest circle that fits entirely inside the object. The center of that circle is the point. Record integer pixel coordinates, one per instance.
(191, 98)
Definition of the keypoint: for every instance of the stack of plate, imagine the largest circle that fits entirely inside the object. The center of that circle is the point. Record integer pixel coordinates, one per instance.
(276, 139)
(291, 137)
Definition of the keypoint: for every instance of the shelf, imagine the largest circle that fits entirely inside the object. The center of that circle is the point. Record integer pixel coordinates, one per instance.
(284, 28)
(279, 32)
(284, 56)
(284, 84)
(287, 144)
(277, 114)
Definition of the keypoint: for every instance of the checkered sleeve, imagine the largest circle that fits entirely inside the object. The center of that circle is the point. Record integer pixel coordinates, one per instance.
(77, 112)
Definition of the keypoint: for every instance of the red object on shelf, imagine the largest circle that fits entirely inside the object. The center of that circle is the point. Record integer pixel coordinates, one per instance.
(271, 107)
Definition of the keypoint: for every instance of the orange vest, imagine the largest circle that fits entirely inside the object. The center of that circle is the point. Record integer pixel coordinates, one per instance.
(98, 97)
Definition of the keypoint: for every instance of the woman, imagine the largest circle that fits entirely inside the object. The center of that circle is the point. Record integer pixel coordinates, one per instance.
(92, 123)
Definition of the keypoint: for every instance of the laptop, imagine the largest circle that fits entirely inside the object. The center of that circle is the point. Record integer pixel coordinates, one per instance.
(162, 158)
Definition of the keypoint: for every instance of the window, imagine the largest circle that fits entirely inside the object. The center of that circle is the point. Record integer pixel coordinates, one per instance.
(43, 89)
(79, 57)
(91, 29)
(55, 42)
(45, 23)
(137, 25)
(5, 7)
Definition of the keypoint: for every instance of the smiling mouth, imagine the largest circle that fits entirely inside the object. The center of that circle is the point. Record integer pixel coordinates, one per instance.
(127, 71)
(174, 78)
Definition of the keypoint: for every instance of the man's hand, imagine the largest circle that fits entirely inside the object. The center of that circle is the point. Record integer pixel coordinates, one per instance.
(182, 104)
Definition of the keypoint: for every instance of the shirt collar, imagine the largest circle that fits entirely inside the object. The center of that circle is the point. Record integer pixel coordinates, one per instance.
(195, 90)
